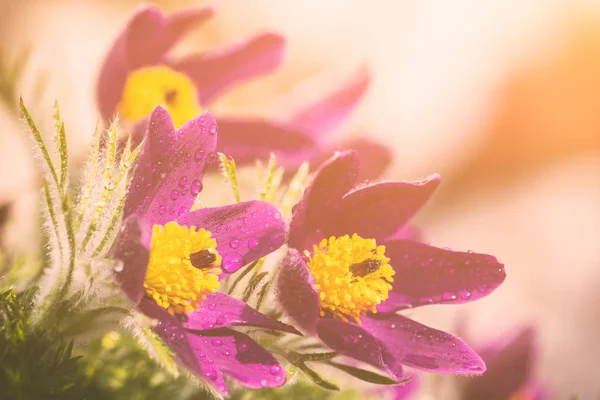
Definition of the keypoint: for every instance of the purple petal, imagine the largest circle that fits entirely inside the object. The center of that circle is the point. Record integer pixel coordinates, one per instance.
(181, 22)
(171, 167)
(130, 249)
(408, 389)
(183, 344)
(247, 139)
(238, 356)
(381, 210)
(354, 341)
(147, 36)
(374, 156)
(216, 71)
(393, 340)
(244, 231)
(296, 292)
(428, 275)
(418, 346)
(508, 370)
(322, 116)
(219, 310)
(331, 182)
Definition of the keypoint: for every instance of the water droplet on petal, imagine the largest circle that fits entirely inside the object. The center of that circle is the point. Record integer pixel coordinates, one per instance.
(213, 129)
(263, 383)
(174, 194)
(119, 266)
(275, 369)
(277, 216)
(253, 243)
(196, 187)
(199, 155)
(234, 243)
(182, 181)
(277, 239)
(207, 325)
(242, 347)
(232, 262)
(161, 209)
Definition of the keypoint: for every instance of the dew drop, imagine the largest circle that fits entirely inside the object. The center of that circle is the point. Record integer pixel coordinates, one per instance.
(199, 155)
(119, 266)
(161, 209)
(232, 262)
(196, 187)
(277, 239)
(182, 181)
(174, 194)
(263, 383)
(242, 348)
(207, 325)
(277, 216)
(275, 369)
(253, 243)
(234, 243)
(213, 129)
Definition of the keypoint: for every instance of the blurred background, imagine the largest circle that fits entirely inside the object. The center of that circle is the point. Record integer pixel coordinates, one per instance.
(501, 98)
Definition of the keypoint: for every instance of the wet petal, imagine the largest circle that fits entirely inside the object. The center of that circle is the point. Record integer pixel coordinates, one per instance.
(219, 310)
(381, 210)
(216, 71)
(131, 250)
(146, 38)
(321, 198)
(354, 341)
(181, 22)
(374, 157)
(244, 231)
(408, 389)
(238, 356)
(418, 346)
(171, 167)
(183, 344)
(508, 369)
(296, 292)
(428, 275)
(321, 116)
(248, 139)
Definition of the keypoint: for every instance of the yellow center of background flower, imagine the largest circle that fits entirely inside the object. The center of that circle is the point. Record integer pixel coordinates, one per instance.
(352, 275)
(524, 394)
(183, 267)
(149, 87)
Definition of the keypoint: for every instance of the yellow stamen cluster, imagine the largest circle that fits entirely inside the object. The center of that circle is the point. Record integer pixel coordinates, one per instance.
(352, 275)
(149, 87)
(172, 280)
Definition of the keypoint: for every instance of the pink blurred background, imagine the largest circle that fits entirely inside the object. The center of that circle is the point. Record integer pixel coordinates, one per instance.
(501, 98)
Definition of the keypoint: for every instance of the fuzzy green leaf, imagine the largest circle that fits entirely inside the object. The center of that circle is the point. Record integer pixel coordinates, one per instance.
(230, 172)
(365, 375)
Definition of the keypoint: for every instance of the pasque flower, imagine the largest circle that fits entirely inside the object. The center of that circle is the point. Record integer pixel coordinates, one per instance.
(173, 257)
(348, 272)
(139, 73)
(510, 362)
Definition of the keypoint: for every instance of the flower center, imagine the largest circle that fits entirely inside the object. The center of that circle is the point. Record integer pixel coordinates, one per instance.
(352, 275)
(183, 267)
(523, 394)
(149, 87)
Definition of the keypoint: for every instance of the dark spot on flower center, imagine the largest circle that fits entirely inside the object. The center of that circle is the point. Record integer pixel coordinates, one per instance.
(203, 259)
(365, 267)
(171, 96)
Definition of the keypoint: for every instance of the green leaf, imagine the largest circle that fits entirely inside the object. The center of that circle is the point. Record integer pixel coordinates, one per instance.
(365, 375)
(53, 219)
(245, 271)
(90, 175)
(319, 356)
(63, 152)
(230, 172)
(253, 285)
(40, 141)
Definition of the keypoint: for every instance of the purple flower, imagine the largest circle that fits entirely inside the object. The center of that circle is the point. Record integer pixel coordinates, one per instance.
(139, 73)
(347, 272)
(509, 371)
(173, 257)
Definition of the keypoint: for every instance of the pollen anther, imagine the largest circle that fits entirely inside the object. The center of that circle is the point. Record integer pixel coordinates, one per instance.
(172, 281)
(352, 275)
